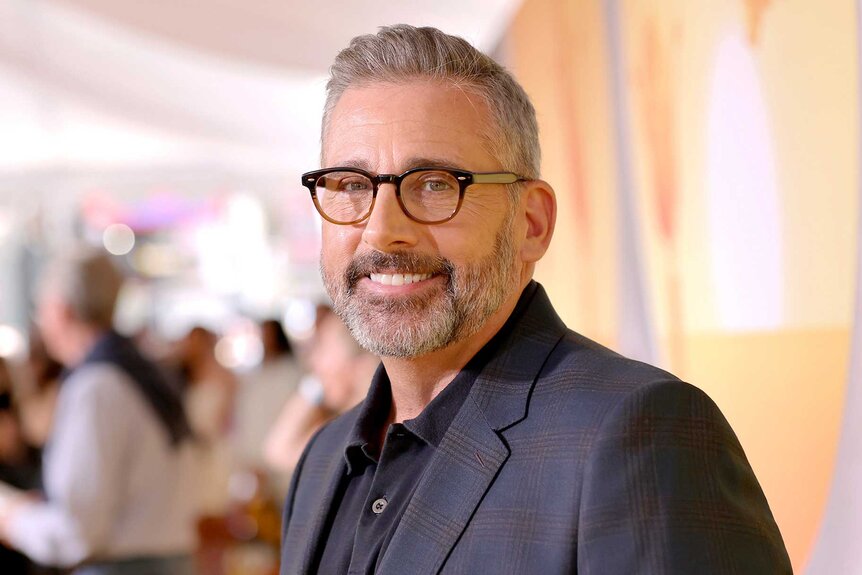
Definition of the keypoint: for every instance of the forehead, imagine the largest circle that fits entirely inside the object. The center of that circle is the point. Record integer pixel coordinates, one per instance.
(392, 123)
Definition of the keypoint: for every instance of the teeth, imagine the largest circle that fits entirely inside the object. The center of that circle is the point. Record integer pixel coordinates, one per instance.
(398, 279)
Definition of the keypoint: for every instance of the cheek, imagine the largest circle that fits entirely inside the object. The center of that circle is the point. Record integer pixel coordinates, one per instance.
(482, 206)
(47, 319)
(51, 332)
(338, 246)
(466, 241)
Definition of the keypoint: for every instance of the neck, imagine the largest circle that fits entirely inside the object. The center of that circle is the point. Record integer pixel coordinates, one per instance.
(416, 381)
(82, 338)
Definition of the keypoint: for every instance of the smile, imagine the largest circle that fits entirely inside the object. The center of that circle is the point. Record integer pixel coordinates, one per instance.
(398, 279)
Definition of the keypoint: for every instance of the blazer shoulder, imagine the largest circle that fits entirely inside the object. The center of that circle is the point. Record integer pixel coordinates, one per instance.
(578, 362)
(664, 456)
(612, 391)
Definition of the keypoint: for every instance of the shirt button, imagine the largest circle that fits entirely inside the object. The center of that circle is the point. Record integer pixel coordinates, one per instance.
(378, 506)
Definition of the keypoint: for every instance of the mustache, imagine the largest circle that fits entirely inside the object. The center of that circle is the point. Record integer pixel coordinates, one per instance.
(372, 262)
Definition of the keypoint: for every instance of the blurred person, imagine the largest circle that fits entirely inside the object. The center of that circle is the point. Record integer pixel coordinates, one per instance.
(339, 364)
(210, 386)
(19, 466)
(119, 477)
(340, 372)
(209, 400)
(19, 461)
(276, 345)
(261, 394)
(493, 439)
(37, 394)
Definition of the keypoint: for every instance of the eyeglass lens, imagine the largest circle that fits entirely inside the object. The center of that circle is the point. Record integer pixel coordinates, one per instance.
(427, 195)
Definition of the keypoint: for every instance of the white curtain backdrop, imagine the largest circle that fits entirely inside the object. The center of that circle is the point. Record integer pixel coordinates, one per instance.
(120, 85)
(81, 93)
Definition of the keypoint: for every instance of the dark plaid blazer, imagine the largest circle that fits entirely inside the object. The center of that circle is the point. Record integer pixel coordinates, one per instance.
(565, 458)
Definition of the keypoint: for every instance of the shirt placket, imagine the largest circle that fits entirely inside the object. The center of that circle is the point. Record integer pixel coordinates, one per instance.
(375, 521)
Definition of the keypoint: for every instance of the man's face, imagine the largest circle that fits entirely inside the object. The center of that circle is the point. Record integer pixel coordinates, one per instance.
(453, 276)
(52, 319)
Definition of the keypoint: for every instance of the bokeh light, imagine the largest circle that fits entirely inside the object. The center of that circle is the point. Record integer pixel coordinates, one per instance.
(119, 239)
(11, 342)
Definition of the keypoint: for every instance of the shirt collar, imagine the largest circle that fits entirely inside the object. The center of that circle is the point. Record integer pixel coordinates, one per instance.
(373, 413)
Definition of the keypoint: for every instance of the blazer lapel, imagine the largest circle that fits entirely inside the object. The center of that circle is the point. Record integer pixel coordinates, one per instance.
(472, 452)
(316, 484)
(321, 505)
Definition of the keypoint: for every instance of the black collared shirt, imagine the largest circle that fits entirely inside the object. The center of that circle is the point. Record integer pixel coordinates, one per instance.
(375, 491)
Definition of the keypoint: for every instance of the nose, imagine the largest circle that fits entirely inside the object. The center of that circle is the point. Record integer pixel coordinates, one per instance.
(388, 228)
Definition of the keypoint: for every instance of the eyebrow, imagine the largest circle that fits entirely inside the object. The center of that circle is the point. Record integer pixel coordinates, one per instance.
(415, 162)
(421, 162)
(356, 163)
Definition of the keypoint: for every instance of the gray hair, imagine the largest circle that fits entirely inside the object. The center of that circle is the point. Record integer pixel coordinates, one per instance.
(397, 54)
(88, 282)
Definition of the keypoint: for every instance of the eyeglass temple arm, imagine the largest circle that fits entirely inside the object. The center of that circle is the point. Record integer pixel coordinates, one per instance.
(497, 178)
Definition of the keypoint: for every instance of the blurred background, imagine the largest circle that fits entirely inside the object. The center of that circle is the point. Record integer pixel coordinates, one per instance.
(706, 161)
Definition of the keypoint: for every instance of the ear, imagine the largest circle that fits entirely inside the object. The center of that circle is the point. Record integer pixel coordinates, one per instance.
(539, 205)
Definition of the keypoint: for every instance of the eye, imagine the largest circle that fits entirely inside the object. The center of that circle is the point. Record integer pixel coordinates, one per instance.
(435, 184)
(354, 184)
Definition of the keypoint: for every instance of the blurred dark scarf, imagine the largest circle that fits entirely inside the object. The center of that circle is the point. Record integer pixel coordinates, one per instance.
(149, 380)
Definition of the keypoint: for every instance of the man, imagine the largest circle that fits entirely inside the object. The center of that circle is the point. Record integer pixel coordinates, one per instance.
(119, 481)
(493, 439)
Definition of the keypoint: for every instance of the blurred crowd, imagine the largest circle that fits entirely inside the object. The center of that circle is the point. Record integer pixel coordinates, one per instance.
(213, 446)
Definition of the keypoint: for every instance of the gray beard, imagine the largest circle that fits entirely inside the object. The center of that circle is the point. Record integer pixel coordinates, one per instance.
(407, 327)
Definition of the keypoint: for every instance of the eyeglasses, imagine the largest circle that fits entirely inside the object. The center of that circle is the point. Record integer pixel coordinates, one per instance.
(346, 196)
